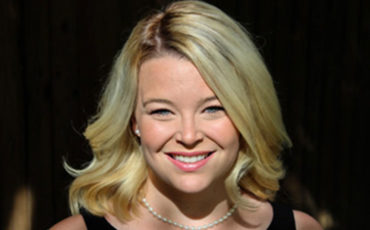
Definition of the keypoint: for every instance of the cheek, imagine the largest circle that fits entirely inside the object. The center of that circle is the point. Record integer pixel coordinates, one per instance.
(226, 135)
(154, 135)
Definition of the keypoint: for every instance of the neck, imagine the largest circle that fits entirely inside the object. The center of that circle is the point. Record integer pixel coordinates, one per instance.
(204, 206)
(185, 226)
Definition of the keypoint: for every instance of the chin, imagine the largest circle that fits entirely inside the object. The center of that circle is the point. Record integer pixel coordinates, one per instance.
(191, 189)
(196, 185)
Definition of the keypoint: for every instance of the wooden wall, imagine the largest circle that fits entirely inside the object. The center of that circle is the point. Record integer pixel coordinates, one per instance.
(55, 56)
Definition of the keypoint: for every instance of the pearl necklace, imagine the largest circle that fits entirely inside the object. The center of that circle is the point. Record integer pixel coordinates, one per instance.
(187, 227)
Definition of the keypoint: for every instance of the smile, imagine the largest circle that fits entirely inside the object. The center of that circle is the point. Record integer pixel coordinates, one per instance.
(189, 157)
(186, 159)
(189, 161)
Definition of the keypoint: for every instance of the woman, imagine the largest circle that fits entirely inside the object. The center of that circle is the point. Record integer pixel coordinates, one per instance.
(188, 133)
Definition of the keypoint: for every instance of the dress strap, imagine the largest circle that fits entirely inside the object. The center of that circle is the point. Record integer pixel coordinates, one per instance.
(95, 222)
(283, 218)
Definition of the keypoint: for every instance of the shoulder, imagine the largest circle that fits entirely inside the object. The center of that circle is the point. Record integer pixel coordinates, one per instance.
(261, 215)
(304, 221)
(75, 222)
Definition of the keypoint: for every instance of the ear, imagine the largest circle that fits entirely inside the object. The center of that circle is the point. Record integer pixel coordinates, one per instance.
(135, 129)
(134, 125)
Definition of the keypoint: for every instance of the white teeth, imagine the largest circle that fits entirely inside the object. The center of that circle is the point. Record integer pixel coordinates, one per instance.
(192, 159)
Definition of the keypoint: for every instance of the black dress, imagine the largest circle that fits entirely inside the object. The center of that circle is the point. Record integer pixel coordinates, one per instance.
(283, 220)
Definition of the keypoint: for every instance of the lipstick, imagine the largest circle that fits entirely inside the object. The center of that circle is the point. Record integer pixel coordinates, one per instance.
(189, 162)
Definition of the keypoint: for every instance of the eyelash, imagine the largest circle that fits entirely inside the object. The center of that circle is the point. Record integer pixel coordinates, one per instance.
(214, 109)
(210, 109)
(161, 112)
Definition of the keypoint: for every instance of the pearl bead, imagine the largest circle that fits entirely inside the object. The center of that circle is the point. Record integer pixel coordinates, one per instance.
(186, 227)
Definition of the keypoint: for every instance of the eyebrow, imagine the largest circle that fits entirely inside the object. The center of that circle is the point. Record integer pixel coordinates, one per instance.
(157, 100)
(209, 99)
(165, 101)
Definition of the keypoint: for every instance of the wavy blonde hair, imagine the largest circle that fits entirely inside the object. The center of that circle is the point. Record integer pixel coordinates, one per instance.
(231, 65)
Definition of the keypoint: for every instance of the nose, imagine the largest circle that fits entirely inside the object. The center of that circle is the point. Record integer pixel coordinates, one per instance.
(189, 133)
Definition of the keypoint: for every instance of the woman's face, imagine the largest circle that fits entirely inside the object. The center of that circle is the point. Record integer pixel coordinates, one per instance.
(188, 140)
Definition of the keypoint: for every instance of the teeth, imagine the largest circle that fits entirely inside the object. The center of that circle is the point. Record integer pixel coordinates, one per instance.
(192, 159)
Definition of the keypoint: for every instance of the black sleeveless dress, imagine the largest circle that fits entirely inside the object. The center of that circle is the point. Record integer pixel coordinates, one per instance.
(283, 220)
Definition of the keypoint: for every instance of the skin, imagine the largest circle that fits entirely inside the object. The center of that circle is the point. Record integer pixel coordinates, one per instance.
(303, 222)
(177, 112)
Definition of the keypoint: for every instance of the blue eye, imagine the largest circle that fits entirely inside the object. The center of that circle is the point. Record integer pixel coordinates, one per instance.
(214, 109)
(160, 112)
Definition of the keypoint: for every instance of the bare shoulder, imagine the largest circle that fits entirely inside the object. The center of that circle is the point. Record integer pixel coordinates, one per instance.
(251, 218)
(75, 222)
(304, 221)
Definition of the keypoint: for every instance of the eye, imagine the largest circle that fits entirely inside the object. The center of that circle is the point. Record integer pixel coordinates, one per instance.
(214, 109)
(160, 112)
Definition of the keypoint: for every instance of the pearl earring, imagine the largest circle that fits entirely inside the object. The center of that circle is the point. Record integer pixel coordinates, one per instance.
(137, 132)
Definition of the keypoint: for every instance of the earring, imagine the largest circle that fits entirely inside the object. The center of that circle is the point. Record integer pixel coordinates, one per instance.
(137, 132)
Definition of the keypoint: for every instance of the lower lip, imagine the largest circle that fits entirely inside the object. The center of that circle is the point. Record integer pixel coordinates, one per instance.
(190, 167)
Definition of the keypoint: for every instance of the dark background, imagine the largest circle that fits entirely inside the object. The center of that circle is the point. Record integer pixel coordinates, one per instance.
(55, 56)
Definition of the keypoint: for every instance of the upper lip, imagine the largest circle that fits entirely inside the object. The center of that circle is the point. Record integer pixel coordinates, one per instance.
(195, 153)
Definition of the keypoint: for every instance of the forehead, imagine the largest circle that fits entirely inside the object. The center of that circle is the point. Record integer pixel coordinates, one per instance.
(171, 74)
(167, 66)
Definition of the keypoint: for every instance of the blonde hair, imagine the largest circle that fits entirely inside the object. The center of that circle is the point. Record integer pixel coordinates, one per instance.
(232, 67)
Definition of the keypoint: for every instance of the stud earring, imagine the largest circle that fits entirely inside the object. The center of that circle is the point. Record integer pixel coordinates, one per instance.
(137, 132)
